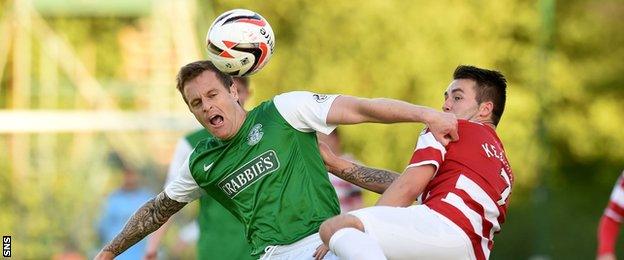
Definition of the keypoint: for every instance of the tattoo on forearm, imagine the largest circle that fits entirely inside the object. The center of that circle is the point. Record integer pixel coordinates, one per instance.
(145, 220)
(376, 180)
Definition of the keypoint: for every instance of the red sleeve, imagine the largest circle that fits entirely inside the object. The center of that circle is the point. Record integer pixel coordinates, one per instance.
(608, 230)
(428, 151)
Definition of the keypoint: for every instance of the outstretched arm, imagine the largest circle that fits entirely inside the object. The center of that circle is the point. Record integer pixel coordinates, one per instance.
(145, 220)
(354, 110)
(375, 180)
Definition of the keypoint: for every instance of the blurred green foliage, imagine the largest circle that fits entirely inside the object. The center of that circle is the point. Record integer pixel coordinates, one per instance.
(406, 50)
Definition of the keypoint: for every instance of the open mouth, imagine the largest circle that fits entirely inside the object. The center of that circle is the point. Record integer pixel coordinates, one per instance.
(216, 120)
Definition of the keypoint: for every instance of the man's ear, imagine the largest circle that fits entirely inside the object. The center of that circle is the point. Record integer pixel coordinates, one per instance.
(485, 109)
(234, 91)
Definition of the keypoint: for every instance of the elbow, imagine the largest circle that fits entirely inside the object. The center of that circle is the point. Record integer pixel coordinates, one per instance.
(413, 194)
(407, 192)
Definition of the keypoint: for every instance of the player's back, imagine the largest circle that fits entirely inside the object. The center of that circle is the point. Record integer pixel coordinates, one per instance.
(472, 185)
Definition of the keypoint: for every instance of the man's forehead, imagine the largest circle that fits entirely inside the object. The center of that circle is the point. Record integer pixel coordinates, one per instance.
(205, 81)
(459, 85)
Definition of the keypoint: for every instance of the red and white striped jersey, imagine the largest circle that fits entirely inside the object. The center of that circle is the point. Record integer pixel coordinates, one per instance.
(472, 182)
(615, 209)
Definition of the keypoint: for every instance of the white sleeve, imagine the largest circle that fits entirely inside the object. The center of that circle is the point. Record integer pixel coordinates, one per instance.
(617, 195)
(306, 111)
(183, 188)
(182, 151)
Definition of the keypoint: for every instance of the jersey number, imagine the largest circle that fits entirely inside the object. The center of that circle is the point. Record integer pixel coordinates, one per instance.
(507, 190)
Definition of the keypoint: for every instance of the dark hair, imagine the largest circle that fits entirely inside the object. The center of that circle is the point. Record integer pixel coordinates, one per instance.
(490, 85)
(192, 70)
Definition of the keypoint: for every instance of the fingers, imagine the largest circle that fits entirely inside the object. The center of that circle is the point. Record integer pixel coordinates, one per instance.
(444, 128)
(443, 139)
(454, 135)
(320, 252)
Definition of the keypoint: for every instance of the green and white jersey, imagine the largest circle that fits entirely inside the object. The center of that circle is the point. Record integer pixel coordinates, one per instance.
(270, 175)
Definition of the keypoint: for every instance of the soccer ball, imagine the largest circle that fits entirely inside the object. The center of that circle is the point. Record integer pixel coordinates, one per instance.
(240, 42)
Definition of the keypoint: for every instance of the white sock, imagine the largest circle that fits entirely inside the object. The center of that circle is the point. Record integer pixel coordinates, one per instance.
(351, 243)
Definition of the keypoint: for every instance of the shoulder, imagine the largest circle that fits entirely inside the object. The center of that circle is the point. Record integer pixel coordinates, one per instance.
(299, 96)
(470, 128)
(196, 137)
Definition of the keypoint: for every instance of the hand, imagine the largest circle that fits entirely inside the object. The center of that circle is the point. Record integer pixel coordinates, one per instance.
(329, 158)
(607, 256)
(443, 126)
(320, 252)
(104, 255)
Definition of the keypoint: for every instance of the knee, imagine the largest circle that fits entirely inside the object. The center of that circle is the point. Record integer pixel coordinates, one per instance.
(330, 226)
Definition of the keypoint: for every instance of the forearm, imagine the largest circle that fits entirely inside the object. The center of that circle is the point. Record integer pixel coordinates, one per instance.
(154, 240)
(399, 194)
(353, 110)
(608, 230)
(375, 180)
(145, 220)
(384, 110)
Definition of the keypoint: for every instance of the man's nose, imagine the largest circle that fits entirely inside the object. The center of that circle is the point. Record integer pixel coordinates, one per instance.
(206, 105)
(446, 107)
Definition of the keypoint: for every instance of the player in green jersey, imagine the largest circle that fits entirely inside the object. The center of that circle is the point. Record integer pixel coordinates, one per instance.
(214, 222)
(264, 165)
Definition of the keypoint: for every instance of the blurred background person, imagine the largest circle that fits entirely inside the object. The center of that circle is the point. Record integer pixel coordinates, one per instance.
(349, 195)
(609, 226)
(70, 252)
(121, 204)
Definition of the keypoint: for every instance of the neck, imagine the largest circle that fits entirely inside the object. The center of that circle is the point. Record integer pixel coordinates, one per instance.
(488, 123)
(241, 115)
(485, 121)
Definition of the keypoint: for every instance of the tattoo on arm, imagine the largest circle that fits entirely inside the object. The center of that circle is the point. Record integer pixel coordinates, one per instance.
(375, 180)
(145, 220)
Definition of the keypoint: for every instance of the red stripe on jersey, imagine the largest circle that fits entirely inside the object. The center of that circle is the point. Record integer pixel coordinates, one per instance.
(478, 208)
(616, 208)
(457, 217)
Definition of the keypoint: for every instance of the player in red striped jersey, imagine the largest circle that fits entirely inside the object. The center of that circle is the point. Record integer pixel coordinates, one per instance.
(609, 226)
(463, 186)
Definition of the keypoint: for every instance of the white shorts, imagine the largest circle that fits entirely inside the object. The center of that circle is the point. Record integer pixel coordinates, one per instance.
(415, 232)
(302, 249)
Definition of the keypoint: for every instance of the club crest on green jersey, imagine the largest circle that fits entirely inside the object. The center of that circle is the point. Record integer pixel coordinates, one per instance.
(255, 134)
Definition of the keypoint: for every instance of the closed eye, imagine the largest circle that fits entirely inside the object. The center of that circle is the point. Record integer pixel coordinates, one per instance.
(196, 103)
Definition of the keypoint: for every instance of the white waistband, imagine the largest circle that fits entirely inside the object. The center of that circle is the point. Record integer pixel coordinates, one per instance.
(283, 249)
